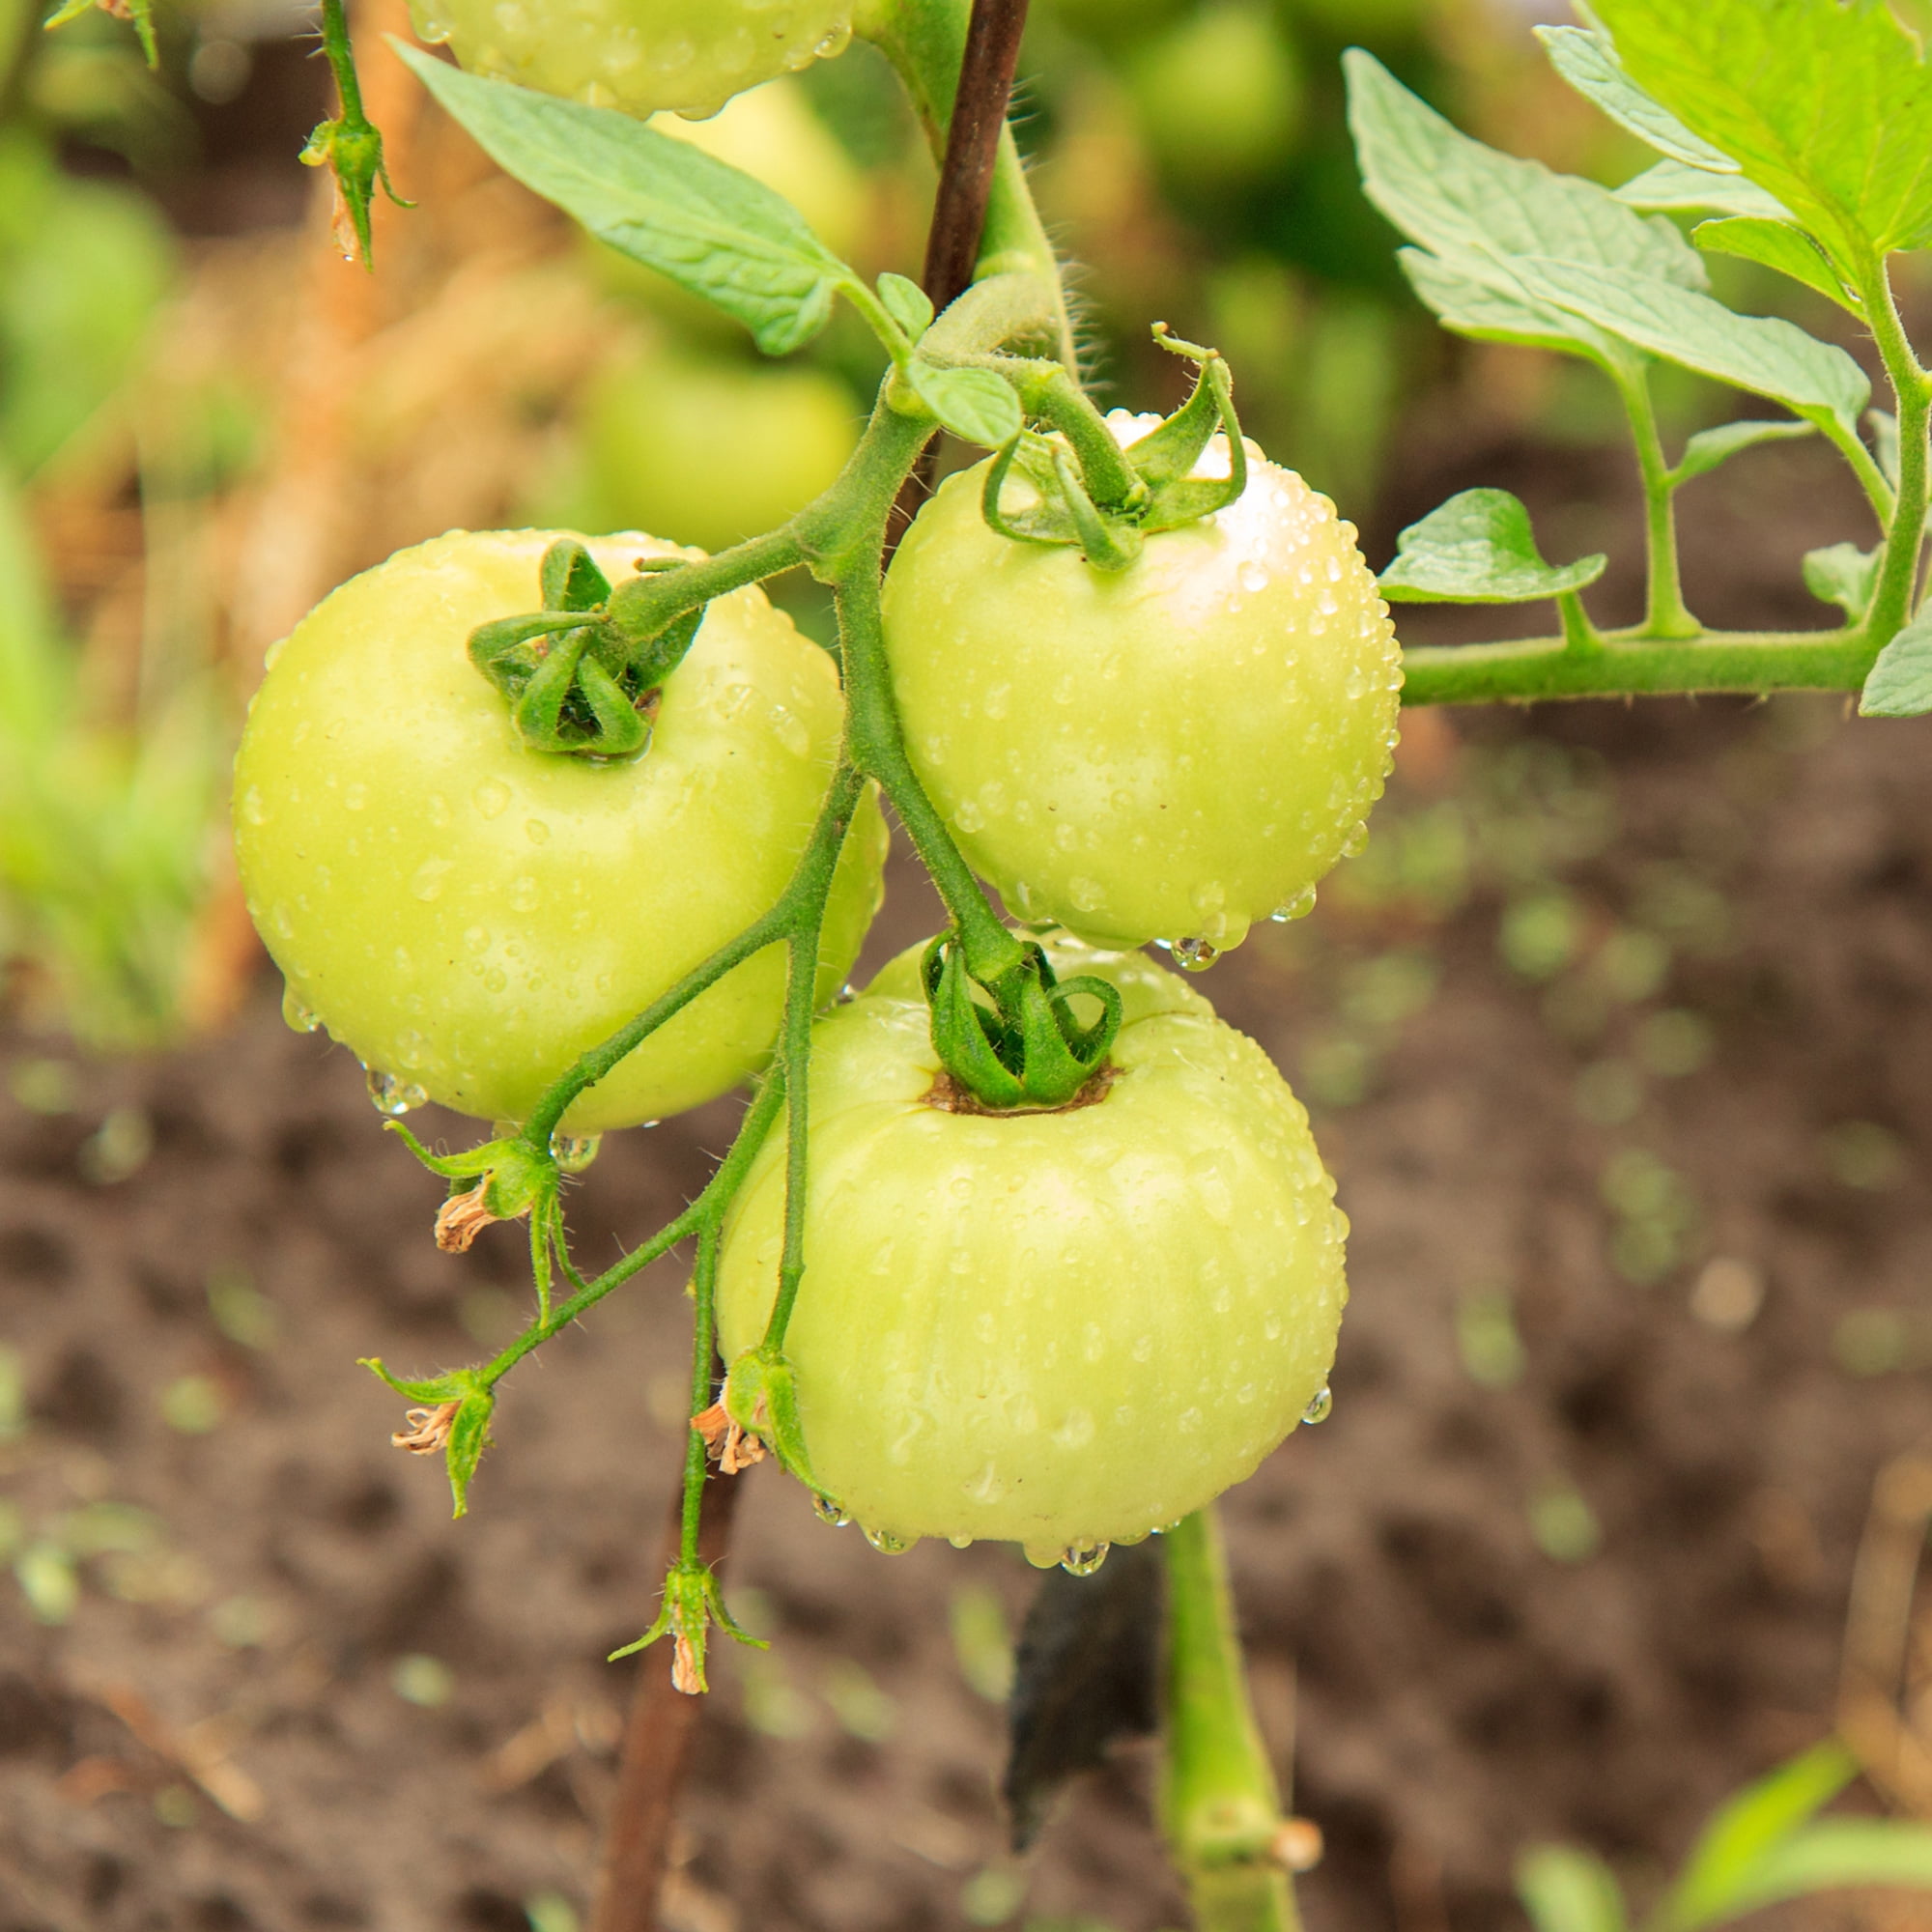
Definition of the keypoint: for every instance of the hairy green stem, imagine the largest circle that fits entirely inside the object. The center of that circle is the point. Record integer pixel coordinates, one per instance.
(642, 606)
(341, 56)
(1624, 664)
(1219, 1803)
(925, 41)
(1664, 613)
(703, 1351)
(1894, 592)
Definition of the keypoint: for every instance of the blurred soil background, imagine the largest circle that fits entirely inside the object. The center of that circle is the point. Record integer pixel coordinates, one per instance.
(1615, 1036)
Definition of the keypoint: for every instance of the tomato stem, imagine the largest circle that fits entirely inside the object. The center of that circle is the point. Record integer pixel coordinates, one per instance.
(1895, 590)
(703, 1354)
(1665, 611)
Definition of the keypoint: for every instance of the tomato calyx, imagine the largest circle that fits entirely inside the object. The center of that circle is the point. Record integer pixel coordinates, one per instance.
(508, 1177)
(693, 1602)
(761, 1402)
(452, 1415)
(576, 682)
(1022, 1049)
(1070, 506)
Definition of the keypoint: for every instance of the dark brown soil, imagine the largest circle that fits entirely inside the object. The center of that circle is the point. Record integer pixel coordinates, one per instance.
(1462, 1689)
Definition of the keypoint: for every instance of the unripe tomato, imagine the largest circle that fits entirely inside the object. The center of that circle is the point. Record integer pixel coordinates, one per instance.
(1169, 751)
(467, 914)
(1067, 1328)
(638, 55)
(711, 453)
(1219, 93)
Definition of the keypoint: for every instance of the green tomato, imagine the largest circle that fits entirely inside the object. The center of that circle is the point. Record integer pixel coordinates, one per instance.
(468, 916)
(1169, 751)
(1065, 1330)
(638, 55)
(711, 453)
(1219, 93)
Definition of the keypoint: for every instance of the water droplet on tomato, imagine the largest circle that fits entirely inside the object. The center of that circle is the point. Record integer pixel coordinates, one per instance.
(1356, 842)
(252, 807)
(523, 894)
(1253, 577)
(1195, 956)
(1298, 907)
(355, 797)
(886, 1543)
(427, 882)
(391, 1095)
(491, 797)
(827, 1511)
(960, 1542)
(295, 1014)
(573, 1153)
(1082, 1559)
(1320, 1405)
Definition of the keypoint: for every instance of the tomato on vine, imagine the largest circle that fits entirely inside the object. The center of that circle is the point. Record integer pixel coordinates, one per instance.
(1169, 751)
(467, 914)
(1064, 1327)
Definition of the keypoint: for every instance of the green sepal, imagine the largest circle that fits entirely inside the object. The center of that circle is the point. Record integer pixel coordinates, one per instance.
(351, 148)
(1046, 520)
(461, 1435)
(692, 1603)
(761, 1397)
(1107, 542)
(1165, 457)
(140, 12)
(515, 1175)
(1025, 1050)
(570, 578)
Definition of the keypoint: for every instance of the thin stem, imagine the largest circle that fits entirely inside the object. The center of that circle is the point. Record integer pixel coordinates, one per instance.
(1893, 593)
(1220, 1805)
(341, 56)
(795, 1057)
(703, 1351)
(642, 606)
(1666, 614)
(1630, 664)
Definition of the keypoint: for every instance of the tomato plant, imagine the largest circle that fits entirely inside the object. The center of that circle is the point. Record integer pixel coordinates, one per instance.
(468, 915)
(1043, 1293)
(1170, 751)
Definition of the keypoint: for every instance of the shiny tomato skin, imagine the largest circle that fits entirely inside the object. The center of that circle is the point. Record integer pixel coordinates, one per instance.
(468, 915)
(1063, 1329)
(1173, 751)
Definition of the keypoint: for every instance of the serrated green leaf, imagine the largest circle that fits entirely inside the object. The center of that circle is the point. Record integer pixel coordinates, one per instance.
(710, 227)
(972, 403)
(1831, 1856)
(1824, 104)
(1565, 1889)
(1844, 574)
(1488, 313)
(1589, 63)
(1778, 246)
(1478, 547)
(1671, 185)
(1747, 1826)
(907, 304)
(1900, 684)
(1759, 354)
(1709, 448)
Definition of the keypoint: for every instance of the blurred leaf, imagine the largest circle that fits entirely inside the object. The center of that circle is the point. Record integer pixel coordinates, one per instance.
(1837, 1853)
(1778, 246)
(1589, 63)
(1900, 684)
(1732, 1846)
(1759, 354)
(1709, 448)
(1479, 212)
(1826, 106)
(1564, 1890)
(710, 227)
(1844, 574)
(1670, 184)
(1478, 547)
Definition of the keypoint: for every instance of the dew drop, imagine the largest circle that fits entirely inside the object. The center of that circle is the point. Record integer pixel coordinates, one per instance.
(573, 1153)
(391, 1095)
(252, 807)
(1195, 956)
(886, 1543)
(536, 832)
(960, 1542)
(1082, 1559)
(295, 1014)
(1253, 577)
(827, 1511)
(427, 882)
(1356, 842)
(1298, 907)
(1320, 1405)
(355, 797)
(491, 797)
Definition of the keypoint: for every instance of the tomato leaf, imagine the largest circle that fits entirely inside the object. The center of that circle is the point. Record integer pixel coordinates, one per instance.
(1477, 212)
(1830, 1856)
(907, 304)
(1760, 354)
(1489, 313)
(1844, 574)
(1589, 63)
(1670, 184)
(1478, 547)
(1733, 1845)
(1780, 245)
(1709, 448)
(1085, 1675)
(1565, 1889)
(1900, 684)
(1824, 104)
(710, 227)
(972, 403)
